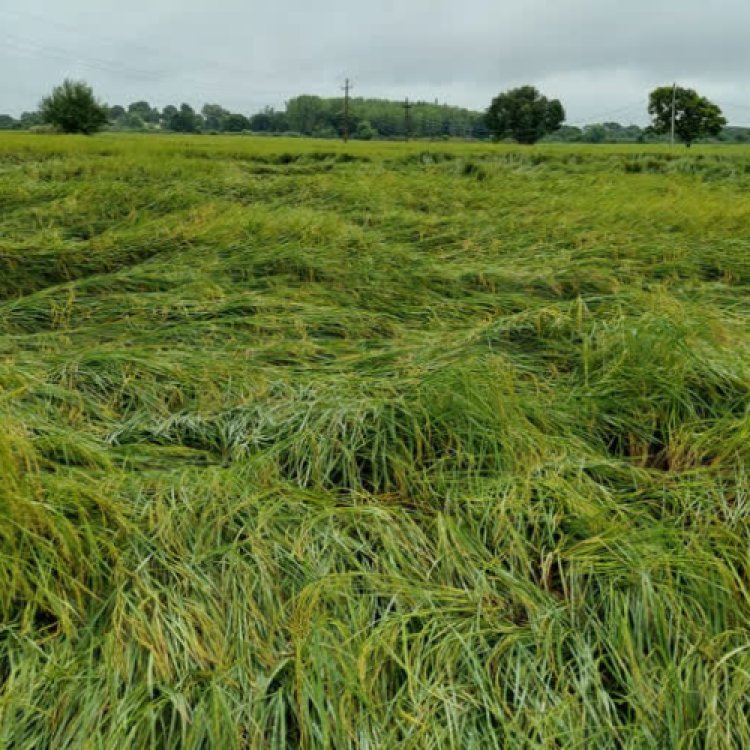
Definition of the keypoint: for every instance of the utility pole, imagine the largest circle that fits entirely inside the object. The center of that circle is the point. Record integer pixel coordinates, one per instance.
(407, 118)
(348, 86)
(674, 110)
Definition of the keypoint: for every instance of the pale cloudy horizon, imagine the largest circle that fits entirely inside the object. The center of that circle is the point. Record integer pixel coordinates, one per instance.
(600, 58)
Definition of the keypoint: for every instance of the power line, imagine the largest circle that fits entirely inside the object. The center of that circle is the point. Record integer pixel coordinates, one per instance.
(111, 67)
(32, 47)
(29, 47)
(201, 61)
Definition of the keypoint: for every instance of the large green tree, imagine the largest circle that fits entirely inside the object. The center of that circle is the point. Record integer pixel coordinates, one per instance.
(73, 108)
(167, 114)
(184, 120)
(306, 113)
(235, 123)
(145, 111)
(525, 115)
(214, 116)
(695, 116)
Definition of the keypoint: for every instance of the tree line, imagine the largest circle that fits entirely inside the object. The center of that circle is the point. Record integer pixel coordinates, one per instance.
(304, 115)
(522, 114)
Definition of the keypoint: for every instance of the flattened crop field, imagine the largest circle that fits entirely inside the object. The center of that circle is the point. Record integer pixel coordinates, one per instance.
(413, 446)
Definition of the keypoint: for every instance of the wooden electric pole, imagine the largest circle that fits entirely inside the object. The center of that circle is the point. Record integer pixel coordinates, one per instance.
(407, 118)
(348, 86)
(674, 111)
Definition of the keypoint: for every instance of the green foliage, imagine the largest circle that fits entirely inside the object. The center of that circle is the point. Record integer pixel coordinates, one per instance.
(30, 119)
(132, 121)
(365, 131)
(695, 116)
(594, 134)
(312, 114)
(72, 108)
(566, 134)
(307, 113)
(383, 445)
(375, 118)
(184, 120)
(145, 111)
(235, 123)
(269, 121)
(524, 115)
(214, 116)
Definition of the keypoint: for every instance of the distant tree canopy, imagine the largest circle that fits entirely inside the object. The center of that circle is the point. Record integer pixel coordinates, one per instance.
(214, 116)
(695, 116)
(365, 131)
(145, 111)
(132, 121)
(7, 122)
(184, 120)
(235, 123)
(311, 115)
(269, 121)
(594, 134)
(601, 132)
(116, 112)
(525, 115)
(72, 108)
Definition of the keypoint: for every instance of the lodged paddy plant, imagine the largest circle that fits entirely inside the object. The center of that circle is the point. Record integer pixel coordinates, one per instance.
(381, 446)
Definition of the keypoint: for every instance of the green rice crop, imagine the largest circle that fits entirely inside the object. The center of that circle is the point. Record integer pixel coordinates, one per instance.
(425, 446)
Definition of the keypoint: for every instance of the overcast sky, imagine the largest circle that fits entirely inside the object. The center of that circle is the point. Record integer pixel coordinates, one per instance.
(600, 57)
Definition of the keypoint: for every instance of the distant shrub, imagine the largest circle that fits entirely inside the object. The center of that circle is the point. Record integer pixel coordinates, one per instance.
(72, 108)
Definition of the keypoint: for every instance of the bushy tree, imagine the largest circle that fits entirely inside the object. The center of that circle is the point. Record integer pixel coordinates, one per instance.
(262, 122)
(365, 131)
(594, 134)
(185, 120)
(30, 119)
(116, 111)
(308, 113)
(144, 110)
(734, 134)
(269, 121)
(7, 122)
(235, 123)
(568, 134)
(325, 131)
(695, 116)
(524, 115)
(214, 116)
(72, 108)
(132, 121)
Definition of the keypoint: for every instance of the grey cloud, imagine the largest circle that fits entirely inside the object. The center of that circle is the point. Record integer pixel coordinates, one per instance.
(597, 55)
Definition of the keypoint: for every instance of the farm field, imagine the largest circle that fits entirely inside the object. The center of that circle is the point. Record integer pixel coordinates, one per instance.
(422, 446)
